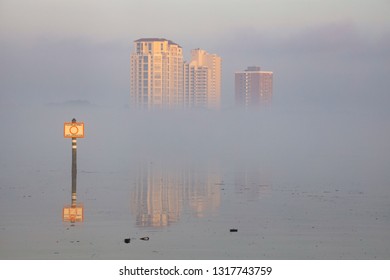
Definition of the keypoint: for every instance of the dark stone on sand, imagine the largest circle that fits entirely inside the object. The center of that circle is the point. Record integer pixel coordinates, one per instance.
(233, 230)
(127, 240)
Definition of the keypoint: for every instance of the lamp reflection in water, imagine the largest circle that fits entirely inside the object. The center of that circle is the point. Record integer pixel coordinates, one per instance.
(73, 213)
(161, 193)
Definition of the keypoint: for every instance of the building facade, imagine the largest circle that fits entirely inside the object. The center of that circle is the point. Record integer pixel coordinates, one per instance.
(156, 73)
(253, 87)
(205, 76)
(160, 78)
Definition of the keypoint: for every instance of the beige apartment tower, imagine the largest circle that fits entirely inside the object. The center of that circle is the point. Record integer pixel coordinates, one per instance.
(204, 77)
(253, 87)
(160, 78)
(156, 74)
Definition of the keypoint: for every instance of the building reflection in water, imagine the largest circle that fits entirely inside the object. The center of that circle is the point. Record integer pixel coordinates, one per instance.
(253, 181)
(161, 193)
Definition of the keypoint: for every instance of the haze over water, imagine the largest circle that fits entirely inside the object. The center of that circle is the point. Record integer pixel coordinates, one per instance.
(305, 178)
(295, 185)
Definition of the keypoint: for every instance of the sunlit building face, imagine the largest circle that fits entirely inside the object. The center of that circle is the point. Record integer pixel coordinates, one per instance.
(160, 78)
(204, 76)
(156, 73)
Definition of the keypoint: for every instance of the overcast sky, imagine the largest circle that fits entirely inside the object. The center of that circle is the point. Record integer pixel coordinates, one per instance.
(323, 53)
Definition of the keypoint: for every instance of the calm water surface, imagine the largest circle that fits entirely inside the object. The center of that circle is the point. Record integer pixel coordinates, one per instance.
(305, 193)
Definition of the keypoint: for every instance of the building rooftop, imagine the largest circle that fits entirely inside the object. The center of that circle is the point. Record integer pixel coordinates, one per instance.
(253, 68)
(158, 40)
(248, 72)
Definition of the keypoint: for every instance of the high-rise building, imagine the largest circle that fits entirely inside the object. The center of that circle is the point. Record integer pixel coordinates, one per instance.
(156, 74)
(205, 73)
(160, 78)
(253, 87)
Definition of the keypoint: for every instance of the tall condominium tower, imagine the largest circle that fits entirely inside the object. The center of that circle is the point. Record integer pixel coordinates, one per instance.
(203, 74)
(160, 78)
(253, 87)
(156, 74)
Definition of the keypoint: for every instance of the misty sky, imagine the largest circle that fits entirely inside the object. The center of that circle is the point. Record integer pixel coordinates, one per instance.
(327, 54)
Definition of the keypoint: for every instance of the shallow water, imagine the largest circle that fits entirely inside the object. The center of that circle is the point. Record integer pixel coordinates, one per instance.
(291, 188)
